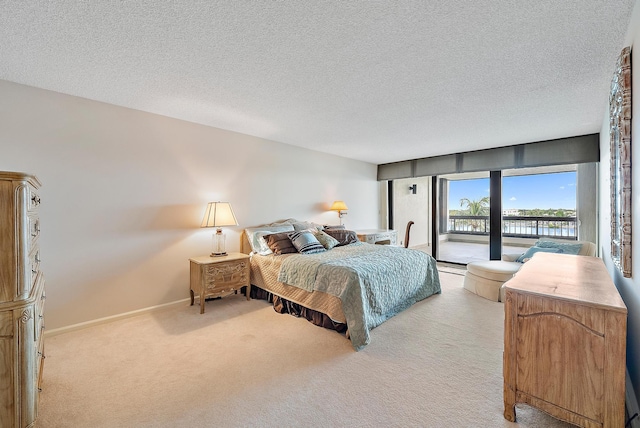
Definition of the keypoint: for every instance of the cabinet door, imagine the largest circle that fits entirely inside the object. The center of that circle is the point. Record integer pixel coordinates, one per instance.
(561, 354)
(27, 364)
(7, 386)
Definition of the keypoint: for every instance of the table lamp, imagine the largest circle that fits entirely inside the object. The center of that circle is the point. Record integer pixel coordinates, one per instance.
(219, 214)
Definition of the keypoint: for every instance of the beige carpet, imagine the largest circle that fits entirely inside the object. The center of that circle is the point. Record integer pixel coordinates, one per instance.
(438, 364)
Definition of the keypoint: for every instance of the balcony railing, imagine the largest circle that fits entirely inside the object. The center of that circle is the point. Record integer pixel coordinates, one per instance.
(516, 226)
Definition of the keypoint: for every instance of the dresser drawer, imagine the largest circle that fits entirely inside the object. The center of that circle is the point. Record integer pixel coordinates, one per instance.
(34, 228)
(33, 268)
(39, 310)
(33, 199)
(39, 362)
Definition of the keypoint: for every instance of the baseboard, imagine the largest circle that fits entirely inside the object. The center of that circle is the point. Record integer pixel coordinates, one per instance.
(631, 403)
(105, 320)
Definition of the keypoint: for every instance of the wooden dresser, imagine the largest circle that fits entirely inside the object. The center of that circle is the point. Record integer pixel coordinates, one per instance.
(565, 341)
(21, 300)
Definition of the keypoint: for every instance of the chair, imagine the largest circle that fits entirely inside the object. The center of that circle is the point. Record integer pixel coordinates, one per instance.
(406, 234)
(486, 278)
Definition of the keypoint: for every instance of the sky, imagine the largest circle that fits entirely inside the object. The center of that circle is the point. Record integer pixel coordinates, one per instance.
(544, 191)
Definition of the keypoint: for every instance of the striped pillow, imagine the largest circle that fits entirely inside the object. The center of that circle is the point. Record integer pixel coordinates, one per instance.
(305, 242)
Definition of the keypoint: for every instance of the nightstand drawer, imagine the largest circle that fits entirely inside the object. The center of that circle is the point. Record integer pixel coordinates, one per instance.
(226, 275)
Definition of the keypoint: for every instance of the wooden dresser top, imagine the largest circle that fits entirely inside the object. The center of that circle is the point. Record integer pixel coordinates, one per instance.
(580, 279)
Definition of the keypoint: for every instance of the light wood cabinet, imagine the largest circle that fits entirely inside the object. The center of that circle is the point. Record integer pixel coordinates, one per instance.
(565, 341)
(22, 295)
(219, 276)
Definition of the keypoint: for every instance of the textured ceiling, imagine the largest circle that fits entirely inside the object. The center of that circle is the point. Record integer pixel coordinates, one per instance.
(378, 81)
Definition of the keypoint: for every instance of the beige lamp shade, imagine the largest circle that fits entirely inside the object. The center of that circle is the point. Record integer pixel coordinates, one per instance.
(339, 206)
(219, 214)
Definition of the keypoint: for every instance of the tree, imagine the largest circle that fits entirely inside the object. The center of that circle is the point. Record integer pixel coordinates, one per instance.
(478, 207)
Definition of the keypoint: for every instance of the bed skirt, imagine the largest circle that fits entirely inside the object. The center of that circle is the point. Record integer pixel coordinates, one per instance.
(283, 306)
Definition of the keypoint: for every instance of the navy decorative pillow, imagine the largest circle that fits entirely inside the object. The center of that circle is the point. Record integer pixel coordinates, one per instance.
(306, 243)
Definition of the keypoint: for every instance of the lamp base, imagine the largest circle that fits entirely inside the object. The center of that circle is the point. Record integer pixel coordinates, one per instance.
(218, 254)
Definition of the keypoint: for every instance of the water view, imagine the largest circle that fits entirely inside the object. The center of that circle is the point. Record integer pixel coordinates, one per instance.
(533, 205)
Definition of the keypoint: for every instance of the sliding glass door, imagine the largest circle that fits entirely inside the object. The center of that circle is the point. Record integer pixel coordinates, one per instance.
(540, 203)
(464, 217)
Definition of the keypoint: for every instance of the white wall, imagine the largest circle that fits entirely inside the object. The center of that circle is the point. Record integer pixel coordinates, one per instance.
(409, 207)
(124, 193)
(629, 287)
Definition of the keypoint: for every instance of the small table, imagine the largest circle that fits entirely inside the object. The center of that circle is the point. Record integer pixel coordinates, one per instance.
(219, 276)
(378, 236)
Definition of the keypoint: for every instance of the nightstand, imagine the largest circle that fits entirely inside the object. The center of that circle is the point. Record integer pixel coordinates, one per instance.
(219, 276)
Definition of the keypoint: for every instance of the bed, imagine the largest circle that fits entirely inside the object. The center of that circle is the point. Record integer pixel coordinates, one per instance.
(349, 286)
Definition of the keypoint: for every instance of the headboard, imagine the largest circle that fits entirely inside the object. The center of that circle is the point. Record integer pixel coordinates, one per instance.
(245, 247)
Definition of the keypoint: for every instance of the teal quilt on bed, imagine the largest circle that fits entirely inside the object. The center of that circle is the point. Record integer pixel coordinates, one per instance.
(374, 282)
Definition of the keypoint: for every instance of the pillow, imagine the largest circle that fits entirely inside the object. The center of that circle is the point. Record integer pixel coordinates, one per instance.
(343, 236)
(280, 223)
(337, 226)
(255, 236)
(532, 250)
(306, 243)
(304, 225)
(327, 241)
(279, 243)
(564, 247)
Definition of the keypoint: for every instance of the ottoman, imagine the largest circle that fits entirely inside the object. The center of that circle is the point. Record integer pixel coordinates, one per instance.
(486, 277)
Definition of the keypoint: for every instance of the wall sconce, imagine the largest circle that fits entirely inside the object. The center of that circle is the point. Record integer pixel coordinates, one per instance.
(413, 188)
(219, 214)
(339, 206)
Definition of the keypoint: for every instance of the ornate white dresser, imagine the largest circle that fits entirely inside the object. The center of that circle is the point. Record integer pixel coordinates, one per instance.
(378, 236)
(21, 300)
